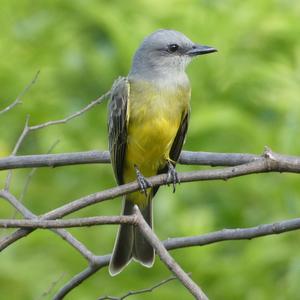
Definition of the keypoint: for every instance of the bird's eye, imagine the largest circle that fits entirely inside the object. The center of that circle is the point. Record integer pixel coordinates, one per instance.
(173, 48)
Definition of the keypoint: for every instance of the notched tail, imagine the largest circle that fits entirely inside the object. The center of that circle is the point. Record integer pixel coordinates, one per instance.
(122, 252)
(130, 242)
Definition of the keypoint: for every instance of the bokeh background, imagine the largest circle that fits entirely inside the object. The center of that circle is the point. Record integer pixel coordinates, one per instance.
(244, 97)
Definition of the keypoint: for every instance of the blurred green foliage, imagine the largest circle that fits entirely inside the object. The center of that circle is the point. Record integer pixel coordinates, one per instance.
(243, 98)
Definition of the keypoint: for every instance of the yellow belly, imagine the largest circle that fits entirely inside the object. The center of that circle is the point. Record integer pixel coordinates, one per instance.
(153, 122)
(149, 144)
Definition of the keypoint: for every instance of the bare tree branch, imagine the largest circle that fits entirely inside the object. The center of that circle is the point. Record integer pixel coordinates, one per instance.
(54, 160)
(92, 157)
(21, 95)
(14, 152)
(29, 177)
(167, 259)
(269, 162)
(172, 243)
(78, 222)
(77, 245)
(192, 241)
(29, 215)
(72, 116)
(28, 129)
(233, 234)
(98, 263)
(31, 173)
(52, 286)
(142, 291)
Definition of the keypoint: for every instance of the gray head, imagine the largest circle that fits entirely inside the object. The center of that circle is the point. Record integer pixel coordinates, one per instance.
(165, 53)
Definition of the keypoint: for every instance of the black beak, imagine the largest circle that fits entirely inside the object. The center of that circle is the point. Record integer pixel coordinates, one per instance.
(200, 50)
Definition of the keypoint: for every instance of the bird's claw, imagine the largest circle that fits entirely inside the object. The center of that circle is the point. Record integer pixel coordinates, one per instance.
(172, 176)
(144, 184)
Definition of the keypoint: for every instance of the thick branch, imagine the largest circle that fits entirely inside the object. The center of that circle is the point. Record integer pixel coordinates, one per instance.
(92, 157)
(167, 259)
(79, 222)
(54, 160)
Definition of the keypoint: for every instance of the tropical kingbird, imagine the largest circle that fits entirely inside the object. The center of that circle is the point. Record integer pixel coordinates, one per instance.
(147, 123)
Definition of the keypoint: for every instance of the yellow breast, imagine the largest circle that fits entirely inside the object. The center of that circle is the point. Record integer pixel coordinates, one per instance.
(153, 121)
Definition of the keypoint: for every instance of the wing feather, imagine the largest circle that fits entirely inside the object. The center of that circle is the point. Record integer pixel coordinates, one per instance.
(117, 125)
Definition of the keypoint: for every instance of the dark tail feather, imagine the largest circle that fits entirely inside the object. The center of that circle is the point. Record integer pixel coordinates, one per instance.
(130, 242)
(143, 252)
(122, 252)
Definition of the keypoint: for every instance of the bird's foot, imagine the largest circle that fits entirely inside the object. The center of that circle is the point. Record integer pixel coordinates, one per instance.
(172, 176)
(142, 181)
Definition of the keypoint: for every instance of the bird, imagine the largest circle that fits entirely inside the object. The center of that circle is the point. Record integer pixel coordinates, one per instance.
(148, 117)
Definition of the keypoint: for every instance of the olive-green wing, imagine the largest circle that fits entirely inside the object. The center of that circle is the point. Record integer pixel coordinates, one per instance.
(177, 144)
(117, 125)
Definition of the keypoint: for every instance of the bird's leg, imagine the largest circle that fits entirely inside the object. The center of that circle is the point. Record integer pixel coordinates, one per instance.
(172, 176)
(142, 181)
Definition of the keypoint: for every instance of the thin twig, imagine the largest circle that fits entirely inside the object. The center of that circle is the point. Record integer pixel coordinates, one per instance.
(14, 152)
(141, 291)
(52, 286)
(28, 129)
(32, 172)
(21, 95)
(29, 178)
(26, 184)
(72, 116)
